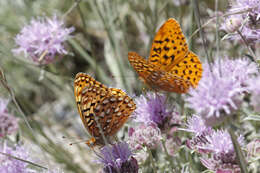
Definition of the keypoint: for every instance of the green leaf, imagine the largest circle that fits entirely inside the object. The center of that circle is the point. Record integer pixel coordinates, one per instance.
(252, 118)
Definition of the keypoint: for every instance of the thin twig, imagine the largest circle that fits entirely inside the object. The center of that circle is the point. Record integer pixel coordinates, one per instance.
(167, 154)
(152, 161)
(239, 155)
(247, 45)
(12, 95)
(197, 17)
(75, 4)
(26, 161)
(214, 18)
(217, 37)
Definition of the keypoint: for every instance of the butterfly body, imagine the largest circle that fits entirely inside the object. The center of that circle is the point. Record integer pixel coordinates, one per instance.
(171, 66)
(102, 109)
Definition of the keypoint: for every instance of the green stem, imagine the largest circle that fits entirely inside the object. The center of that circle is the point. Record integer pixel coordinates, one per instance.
(167, 154)
(152, 161)
(75, 4)
(247, 45)
(217, 36)
(197, 17)
(26, 161)
(3, 81)
(239, 155)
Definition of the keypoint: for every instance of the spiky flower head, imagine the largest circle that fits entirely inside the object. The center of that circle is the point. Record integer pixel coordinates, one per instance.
(197, 126)
(222, 153)
(152, 108)
(43, 39)
(249, 15)
(232, 23)
(14, 159)
(217, 167)
(220, 91)
(220, 144)
(145, 135)
(253, 6)
(118, 158)
(11, 165)
(8, 123)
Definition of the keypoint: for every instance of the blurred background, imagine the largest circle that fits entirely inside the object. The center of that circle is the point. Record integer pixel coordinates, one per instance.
(105, 31)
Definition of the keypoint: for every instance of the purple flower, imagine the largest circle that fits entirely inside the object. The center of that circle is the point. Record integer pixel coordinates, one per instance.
(254, 89)
(213, 165)
(250, 30)
(232, 23)
(222, 151)
(220, 143)
(196, 125)
(153, 109)
(218, 94)
(11, 165)
(144, 136)
(8, 123)
(118, 158)
(254, 5)
(43, 38)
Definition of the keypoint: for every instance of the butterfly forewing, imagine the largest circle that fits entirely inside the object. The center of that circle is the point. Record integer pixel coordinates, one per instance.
(101, 106)
(169, 45)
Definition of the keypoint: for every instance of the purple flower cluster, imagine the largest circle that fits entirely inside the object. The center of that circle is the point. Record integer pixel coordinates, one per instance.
(152, 108)
(218, 94)
(216, 146)
(43, 37)
(198, 127)
(250, 30)
(220, 143)
(8, 123)
(11, 165)
(118, 158)
(145, 135)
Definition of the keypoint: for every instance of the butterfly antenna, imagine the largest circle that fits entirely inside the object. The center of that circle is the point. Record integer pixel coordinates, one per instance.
(74, 138)
(78, 142)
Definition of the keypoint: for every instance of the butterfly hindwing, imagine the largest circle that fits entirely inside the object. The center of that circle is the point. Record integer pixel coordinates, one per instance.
(100, 106)
(156, 78)
(190, 69)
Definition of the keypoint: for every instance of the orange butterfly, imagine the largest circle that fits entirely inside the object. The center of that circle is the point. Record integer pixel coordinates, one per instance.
(171, 66)
(102, 110)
